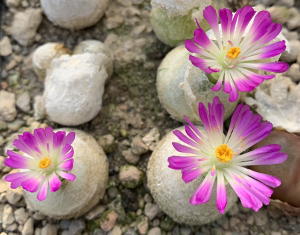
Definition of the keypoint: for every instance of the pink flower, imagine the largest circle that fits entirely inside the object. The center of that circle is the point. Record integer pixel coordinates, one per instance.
(222, 158)
(44, 158)
(242, 45)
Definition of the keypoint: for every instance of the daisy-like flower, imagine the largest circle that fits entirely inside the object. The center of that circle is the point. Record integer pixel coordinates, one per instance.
(222, 158)
(44, 157)
(242, 46)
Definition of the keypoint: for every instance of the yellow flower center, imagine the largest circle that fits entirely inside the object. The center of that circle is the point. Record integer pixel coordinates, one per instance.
(224, 153)
(233, 52)
(45, 162)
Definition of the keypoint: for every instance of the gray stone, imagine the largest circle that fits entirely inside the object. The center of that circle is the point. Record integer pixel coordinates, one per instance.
(21, 215)
(28, 228)
(261, 218)
(12, 227)
(76, 227)
(115, 231)
(130, 156)
(8, 110)
(13, 197)
(294, 72)
(151, 210)
(287, 3)
(13, 3)
(15, 125)
(294, 52)
(23, 101)
(7, 217)
(109, 220)
(294, 22)
(95, 212)
(143, 225)
(39, 107)
(137, 146)
(107, 142)
(154, 231)
(25, 25)
(5, 46)
(49, 229)
(130, 176)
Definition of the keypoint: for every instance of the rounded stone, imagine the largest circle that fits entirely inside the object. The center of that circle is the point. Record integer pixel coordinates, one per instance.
(181, 86)
(77, 197)
(172, 194)
(44, 54)
(96, 47)
(75, 14)
(74, 87)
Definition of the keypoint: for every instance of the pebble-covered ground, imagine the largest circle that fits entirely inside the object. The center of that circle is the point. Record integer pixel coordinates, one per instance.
(131, 115)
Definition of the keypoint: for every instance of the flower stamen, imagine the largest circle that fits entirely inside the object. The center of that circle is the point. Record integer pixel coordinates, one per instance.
(44, 163)
(233, 52)
(224, 153)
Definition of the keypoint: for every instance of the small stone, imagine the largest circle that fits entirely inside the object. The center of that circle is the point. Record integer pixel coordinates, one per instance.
(294, 52)
(76, 227)
(95, 212)
(3, 125)
(115, 231)
(12, 227)
(13, 197)
(137, 146)
(4, 186)
(38, 107)
(28, 227)
(294, 22)
(151, 210)
(250, 220)
(287, 3)
(21, 215)
(13, 3)
(107, 143)
(151, 138)
(143, 226)
(108, 220)
(15, 125)
(7, 217)
(154, 231)
(294, 72)
(38, 216)
(74, 87)
(5, 46)
(130, 176)
(23, 102)
(130, 157)
(261, 218)
(25, 25)
(8, 110)
(280, 14)
(114, 22)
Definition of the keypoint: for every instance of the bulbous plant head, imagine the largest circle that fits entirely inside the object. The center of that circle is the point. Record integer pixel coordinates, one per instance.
(220, 158)
(180, 86)
(240, 49)
(173, 21)
(44, 159)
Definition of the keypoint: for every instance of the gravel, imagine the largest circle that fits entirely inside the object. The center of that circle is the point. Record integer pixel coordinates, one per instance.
(128, 127)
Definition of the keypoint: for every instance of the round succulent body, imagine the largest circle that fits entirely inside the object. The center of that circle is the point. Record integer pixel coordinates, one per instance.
(77, 197)
(172, 194)
(181, 86)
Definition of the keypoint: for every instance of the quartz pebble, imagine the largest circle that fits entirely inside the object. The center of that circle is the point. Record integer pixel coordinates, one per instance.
(154, 231)
(108, 220)
(77, 14)
(5, 46)
(74, 87)
(28, 228)
(294, 72)
(8, 110)
(130, 176)
(25, 25)
(23, 101)
(49, 229)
